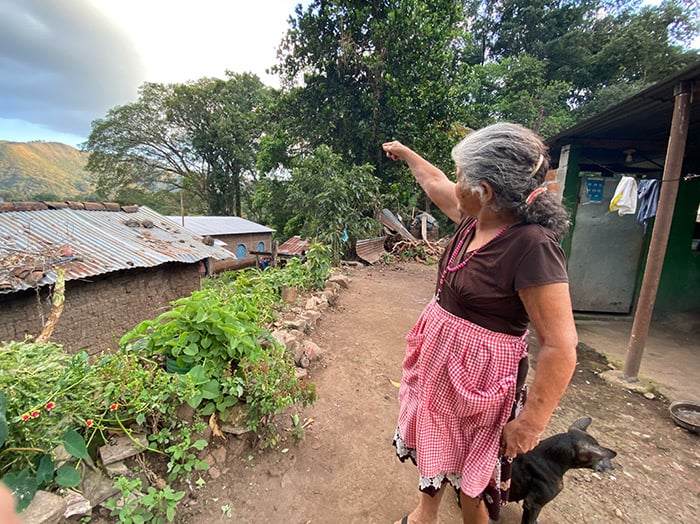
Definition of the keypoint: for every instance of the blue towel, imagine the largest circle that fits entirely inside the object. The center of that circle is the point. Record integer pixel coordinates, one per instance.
(648, 197)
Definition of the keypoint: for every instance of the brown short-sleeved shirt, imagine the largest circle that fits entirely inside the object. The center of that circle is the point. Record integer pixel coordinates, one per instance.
(485, 291)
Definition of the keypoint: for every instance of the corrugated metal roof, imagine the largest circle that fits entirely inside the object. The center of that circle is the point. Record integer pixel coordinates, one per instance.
(86, 243)
(371, 249)
(214, 226)
(388, 218)
(293, 246)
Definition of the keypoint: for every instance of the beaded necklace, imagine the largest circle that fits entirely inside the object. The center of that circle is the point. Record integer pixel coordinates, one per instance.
(451, 269)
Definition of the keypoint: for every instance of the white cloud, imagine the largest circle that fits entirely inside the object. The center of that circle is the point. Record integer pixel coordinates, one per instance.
(186, 40)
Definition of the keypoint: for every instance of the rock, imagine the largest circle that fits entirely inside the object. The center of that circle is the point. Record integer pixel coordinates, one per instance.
(649, 395)
(116, 469)
(301, 373)
(96, 487)
(45, 508)
(311, 317)
(341, 280)
(304, 362)
(311, 303)
(214, 473)
(311, 349)
(76, 505)
(236, 421)
(123, 447)
(323, 304)
(282, 336)
(331, 295)
(298, 324)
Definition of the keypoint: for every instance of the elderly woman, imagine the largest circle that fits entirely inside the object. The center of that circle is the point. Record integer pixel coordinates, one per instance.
(462, 412)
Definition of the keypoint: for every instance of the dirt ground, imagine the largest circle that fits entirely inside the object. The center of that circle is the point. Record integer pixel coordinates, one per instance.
(345, 470)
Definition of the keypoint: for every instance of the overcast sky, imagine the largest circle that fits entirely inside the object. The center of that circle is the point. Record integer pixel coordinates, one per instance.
(65, 63)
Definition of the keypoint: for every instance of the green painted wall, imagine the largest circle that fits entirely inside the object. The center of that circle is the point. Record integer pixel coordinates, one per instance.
(679, 287)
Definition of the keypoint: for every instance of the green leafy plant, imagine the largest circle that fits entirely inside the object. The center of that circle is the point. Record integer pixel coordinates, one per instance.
(182, 450)
(46, 393)
(210, 332)
(49, 398)
(271, 386)
(155, 506)
(25, 482)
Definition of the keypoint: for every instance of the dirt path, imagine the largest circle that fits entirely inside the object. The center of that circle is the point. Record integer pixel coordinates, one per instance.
(345, 469)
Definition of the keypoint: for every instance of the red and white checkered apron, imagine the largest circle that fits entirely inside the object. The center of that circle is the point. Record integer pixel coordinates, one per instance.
(456, 394)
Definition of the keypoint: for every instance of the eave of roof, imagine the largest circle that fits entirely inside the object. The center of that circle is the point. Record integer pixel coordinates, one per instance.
(641, 123)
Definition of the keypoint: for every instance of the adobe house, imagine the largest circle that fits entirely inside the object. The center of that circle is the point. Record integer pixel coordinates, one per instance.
(238, 235)
(122, 264)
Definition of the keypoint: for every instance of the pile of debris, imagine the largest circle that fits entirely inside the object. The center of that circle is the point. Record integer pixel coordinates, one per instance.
(399, 241)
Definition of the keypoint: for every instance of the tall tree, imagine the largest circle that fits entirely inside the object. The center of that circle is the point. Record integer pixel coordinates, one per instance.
(360, 73)
(224, 120)
(137, 145)
(589, 44)
(198, 137)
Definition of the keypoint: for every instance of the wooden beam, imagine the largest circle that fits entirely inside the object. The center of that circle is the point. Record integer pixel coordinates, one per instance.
(662, 226)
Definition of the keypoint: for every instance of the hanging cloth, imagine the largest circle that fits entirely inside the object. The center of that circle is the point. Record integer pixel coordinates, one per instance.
(624, 201)
(648, 197)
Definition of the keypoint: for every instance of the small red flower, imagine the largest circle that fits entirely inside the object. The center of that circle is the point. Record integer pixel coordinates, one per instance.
(50, 406)
(113, 407)
(88, 423)
(35, 413)
(26, 417)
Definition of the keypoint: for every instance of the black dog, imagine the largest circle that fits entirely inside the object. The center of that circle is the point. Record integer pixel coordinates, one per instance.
(538, 475)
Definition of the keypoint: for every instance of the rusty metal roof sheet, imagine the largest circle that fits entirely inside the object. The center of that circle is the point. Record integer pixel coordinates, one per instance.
(388, 218)
(87, 240)
(214, 226)
(371, 249)
(293, 246)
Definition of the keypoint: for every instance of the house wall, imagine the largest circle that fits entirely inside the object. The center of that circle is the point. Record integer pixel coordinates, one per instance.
(97, 313)
(679, 286)
(250, 240)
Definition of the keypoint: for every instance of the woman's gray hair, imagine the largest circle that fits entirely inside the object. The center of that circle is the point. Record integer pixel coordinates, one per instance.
(507, 158)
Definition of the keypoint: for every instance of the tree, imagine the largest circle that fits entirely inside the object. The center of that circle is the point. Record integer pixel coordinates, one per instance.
(516, 90)
(198, 137)
(323, 198)
(224, 120)
(589, 44)
(136, 145)
(360, 73)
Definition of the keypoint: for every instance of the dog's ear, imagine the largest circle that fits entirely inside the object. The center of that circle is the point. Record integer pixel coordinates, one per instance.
(581, 424)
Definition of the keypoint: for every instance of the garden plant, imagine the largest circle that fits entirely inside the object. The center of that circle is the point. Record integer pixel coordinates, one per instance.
(51, 400)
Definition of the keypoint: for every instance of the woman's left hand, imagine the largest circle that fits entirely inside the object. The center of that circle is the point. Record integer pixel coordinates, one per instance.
(518, 437)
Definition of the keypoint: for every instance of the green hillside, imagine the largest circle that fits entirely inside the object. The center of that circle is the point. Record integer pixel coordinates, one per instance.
(30, 168)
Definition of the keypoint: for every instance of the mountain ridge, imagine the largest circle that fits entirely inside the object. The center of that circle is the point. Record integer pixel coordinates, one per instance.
(45, 168)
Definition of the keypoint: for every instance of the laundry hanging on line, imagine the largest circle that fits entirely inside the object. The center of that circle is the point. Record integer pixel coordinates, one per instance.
(648, 200)
(624, 201)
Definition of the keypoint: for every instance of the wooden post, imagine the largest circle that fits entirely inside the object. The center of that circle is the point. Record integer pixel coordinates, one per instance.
(662, 225)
